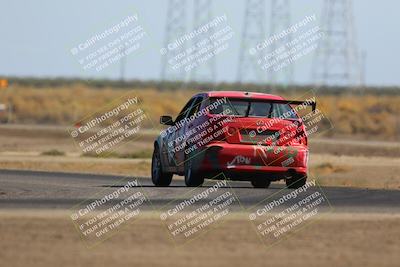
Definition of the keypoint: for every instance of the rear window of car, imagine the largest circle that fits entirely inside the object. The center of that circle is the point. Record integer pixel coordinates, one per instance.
(253, 108)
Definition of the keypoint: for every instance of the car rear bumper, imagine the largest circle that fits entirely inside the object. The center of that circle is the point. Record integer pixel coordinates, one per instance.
(247, 159)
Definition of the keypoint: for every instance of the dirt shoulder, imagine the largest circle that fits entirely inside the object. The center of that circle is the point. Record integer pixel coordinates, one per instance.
(44, 238)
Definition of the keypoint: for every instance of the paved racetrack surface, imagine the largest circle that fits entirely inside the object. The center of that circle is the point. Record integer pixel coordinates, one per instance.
(56, 190)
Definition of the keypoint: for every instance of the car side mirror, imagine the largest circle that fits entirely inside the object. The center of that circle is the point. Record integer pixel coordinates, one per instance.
(166, 120)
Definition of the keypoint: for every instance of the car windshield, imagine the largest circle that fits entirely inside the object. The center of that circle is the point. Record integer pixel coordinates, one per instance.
(253, 108)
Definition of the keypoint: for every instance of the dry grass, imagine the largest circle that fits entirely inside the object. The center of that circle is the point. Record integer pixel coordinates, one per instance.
(68, 105)
(367, 115)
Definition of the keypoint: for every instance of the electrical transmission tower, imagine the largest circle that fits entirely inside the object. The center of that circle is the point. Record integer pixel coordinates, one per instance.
(176, 22)
(280, 21)
(202, 15)
(253, 34)
(336, 59)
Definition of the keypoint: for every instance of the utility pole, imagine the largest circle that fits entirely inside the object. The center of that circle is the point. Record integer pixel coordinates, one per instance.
(253, 34)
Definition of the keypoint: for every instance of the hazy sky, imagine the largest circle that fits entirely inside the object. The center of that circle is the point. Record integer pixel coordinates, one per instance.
(36, 36)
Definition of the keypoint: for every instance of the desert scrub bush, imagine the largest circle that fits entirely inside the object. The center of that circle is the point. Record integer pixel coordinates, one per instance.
(53, 152)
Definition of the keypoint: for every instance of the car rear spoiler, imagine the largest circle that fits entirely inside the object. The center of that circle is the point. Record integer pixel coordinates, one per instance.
(313, 104)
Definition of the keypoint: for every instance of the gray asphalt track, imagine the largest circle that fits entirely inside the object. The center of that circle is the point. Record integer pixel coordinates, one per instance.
(55, 190)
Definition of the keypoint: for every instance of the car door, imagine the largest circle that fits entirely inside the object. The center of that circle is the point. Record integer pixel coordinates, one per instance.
(184, 130)
(172, 140)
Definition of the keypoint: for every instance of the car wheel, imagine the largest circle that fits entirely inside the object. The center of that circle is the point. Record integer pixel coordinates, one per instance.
(158, 177)
(192, 178)
(296, 181)
(260, 183)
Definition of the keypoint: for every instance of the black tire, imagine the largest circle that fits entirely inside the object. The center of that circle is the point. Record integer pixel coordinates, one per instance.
(260, 183)
(296, 181)
(192, 178)
(158, 177)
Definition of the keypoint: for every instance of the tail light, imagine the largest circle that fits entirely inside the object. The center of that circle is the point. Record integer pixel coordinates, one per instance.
(217, 130)
(301, 136)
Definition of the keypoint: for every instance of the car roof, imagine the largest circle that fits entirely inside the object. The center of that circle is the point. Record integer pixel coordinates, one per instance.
(243, 94)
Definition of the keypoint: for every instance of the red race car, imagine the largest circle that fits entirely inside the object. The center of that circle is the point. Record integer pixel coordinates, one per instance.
(246, 136)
